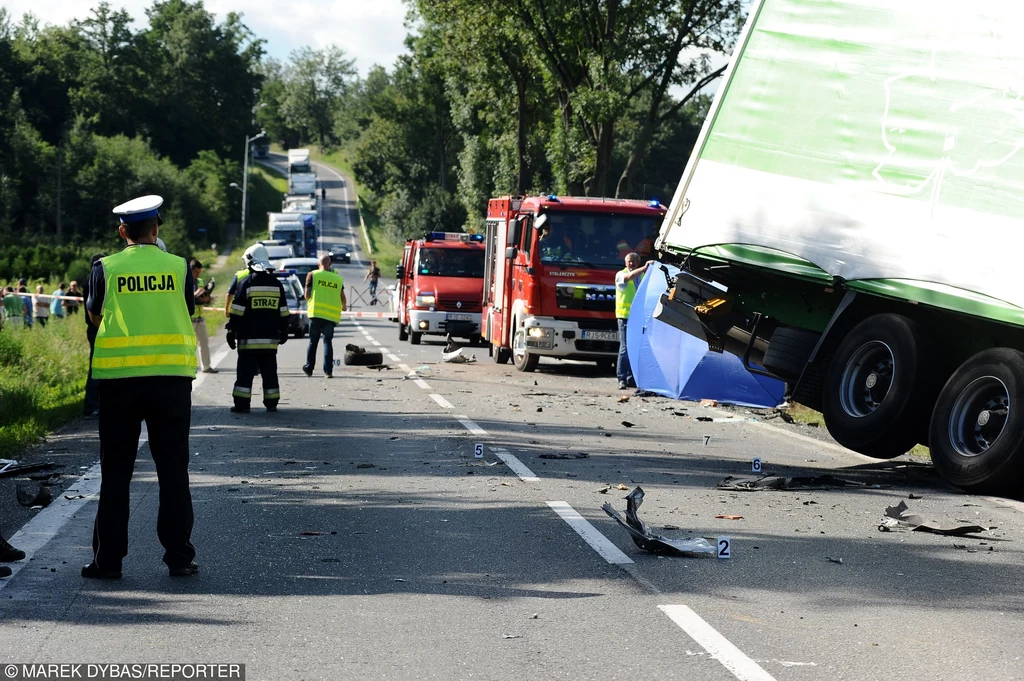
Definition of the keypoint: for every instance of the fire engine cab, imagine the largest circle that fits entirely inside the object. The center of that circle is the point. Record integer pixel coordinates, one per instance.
(550, 274)
(440, 286)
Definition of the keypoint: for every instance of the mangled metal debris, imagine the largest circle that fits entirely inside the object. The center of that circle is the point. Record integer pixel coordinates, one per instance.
(900, 516)
(642, 537)
(776, 482)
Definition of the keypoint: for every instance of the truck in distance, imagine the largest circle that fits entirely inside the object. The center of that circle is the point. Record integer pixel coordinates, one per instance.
(550, 274)
(298, 161)
(846, 223)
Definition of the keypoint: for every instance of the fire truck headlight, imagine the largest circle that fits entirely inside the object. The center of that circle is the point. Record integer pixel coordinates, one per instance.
(538, 332)
(539, 337)
(424, 324)
(425, 299)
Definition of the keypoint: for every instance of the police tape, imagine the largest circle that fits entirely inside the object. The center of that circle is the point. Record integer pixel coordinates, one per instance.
(46, 295)
(350, 314)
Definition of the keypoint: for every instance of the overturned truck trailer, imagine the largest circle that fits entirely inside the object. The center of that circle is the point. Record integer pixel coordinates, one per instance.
(850, 221)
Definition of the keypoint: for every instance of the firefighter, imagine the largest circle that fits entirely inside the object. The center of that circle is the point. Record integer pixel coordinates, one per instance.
(258, 323)
(144, 360)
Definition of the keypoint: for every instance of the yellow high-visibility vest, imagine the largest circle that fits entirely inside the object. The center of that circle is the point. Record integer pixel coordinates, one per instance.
(624, 298)
(325, 296)
(146, 329)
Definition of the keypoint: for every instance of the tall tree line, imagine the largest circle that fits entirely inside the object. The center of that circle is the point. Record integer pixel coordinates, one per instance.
(95, 112)
(583, 97)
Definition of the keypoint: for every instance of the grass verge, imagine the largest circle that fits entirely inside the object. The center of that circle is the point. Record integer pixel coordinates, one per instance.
(815, 419)
(42, 379)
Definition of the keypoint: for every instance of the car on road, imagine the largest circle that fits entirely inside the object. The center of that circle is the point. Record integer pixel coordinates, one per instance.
(339, 253)
(278, 253)
(298, 323)
(300, 266)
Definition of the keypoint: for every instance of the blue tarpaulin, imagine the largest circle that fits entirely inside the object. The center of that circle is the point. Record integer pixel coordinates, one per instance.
(669, 362)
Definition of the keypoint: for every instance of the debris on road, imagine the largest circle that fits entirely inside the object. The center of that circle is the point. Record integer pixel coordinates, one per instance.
(72, 498)
(366, 465)
(457, 357)
(775, 482)
(918, 523)
(729, 516)
(628, 424)
(837, 561)
(357, 356)
(507, 636)
(11, 467)
(915, 496)
(621, 486)
(564, 455)
(379, 367)
(31, 496)
(706, 419)
(604, 490)
(709, 403)
(624, 398)
(694, 546)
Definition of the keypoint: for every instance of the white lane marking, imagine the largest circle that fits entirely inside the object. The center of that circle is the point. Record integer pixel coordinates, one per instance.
(217, 358)
(405, 367)
(382, 348)
(517, 466)
(718, 646)
(38, 532)
(368, 337)
(377, 343)
(394, 358)
(607, 550)
(441, 401)
(470, 425)
(421, 383)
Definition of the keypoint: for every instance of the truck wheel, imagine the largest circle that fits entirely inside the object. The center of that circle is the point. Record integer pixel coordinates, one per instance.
(501, 355)
(403, 332)
(362, 359)
(521, 357)
(415, 337)
(976, 436)
(788, 351)
(880, 387)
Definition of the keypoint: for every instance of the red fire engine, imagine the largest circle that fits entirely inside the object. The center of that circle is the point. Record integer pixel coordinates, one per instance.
(440, 285)
(549, 274)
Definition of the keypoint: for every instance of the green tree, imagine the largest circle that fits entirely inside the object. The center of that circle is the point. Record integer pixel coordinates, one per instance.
(315, 83)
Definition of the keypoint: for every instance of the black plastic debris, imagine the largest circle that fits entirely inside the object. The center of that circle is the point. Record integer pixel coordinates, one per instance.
(565, 455)
(642, 537)
(34, 495)
(918, 523)
(775, 482)
(11, 468)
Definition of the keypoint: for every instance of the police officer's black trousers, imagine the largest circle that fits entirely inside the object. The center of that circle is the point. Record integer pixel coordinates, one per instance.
(250, 363)
(165, 404)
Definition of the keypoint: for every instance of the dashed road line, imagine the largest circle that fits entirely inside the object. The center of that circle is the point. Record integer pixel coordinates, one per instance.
(423, 384)
(470, 425)
(516, 466)
(394, 358)
(445, 404)
(600, 543)
(718, 646)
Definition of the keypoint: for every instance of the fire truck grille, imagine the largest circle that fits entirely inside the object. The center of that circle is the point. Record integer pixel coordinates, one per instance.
(453, 304)
(596, 346)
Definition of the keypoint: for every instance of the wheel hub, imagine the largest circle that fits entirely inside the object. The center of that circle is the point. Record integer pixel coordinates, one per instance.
(979, 416)
(867, 379)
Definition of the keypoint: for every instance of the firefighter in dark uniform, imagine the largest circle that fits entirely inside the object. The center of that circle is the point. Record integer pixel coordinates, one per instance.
(144, 360)
(258, 323)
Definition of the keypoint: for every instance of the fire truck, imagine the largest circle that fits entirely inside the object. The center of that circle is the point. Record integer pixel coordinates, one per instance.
(440, 286)
(550, 274)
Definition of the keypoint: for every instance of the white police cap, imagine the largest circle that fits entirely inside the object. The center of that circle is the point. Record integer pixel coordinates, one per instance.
(141, 208)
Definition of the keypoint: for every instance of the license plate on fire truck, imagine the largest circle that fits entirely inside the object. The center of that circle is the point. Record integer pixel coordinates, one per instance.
(457, 317)
(601, 335)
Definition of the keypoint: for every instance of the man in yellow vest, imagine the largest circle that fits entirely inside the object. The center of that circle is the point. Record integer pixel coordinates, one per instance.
(141, 300)
(625, 291)
(325, 292)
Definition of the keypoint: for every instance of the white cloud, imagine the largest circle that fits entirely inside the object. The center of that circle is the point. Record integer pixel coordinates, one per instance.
(370, 31)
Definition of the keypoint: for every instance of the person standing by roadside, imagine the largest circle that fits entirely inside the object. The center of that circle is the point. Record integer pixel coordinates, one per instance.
(325, 292)
(373, 274)
(145, 361)
(14, 307)
(57, 301)
(202, 297)
(258, 325)
(625, 290)
(71, 303)
(91, 407)
(26, 299)
(41, 306)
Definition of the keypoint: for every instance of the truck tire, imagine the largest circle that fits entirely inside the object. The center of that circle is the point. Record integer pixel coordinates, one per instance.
(362, 359)
(880, 386)
(403, 332)
(415, 337)
(524, 360)
(501, 355)
(976, 435)
(788, 352)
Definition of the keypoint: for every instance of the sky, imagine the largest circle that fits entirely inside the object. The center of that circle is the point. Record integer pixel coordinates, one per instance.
(370, 31)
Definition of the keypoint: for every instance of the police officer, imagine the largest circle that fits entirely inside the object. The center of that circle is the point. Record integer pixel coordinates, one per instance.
(144, 360)
(325, 292)
(258, 323)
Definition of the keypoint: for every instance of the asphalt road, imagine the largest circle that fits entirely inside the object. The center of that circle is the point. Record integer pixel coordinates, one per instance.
(354, 535)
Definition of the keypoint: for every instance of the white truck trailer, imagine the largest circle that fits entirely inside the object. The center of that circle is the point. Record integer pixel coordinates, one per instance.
(302, 184)
(298, 161)
(849, 222)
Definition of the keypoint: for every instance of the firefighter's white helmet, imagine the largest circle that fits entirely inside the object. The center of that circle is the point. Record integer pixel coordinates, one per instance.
(257, 259)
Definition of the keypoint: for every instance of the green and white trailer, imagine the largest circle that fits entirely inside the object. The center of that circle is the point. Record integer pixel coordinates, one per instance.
(852, 221)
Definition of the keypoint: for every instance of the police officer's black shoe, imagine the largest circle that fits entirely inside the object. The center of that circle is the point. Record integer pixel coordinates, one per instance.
(93, 572)
(271, 407)
(5, 571)
(186, 571)
(308, 372)
(9, 554)
(239, 410)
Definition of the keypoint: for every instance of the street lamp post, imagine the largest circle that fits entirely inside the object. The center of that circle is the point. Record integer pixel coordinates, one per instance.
(245, 178)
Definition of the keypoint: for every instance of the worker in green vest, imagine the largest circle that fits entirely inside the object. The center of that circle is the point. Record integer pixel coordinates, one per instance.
(144, 359)
(625, 290)
(325, 292)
